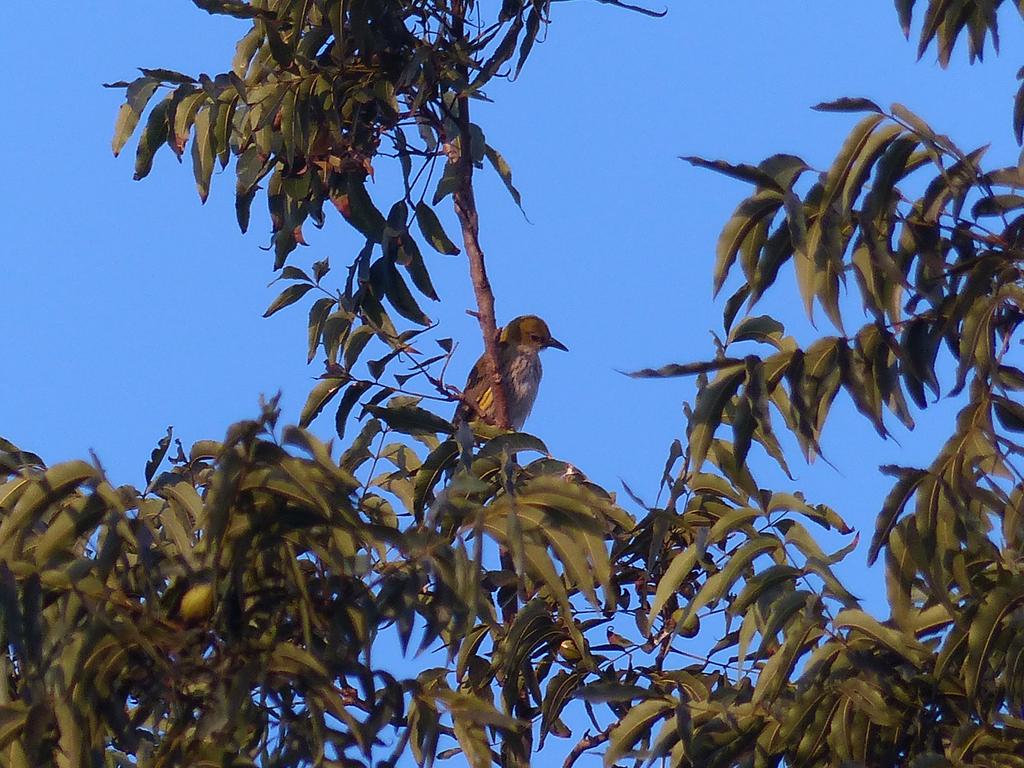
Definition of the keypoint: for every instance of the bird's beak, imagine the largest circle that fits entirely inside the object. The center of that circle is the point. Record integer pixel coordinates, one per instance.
(557, 345)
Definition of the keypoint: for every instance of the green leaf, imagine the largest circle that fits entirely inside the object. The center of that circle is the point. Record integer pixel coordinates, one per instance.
(847, 104)
(203, 150)
(743, 172)
(511, 444)
(762, 328)
(288, 296)
(236, 8)
(560, 688)
(386, 279)
(472, 738)
(430, 472)
(153, 136)
(157, 456)
(638, 722)
(504, 171)
(861, 164)
(137, 97)
(358, 209)
(752, 211)
(601, 692)
(707, 414)
(356, 390)
(42, 490)
(448, 183)
(1009, 413)
(250, 167)
(898, 642)
(852, 163)
(318, 314)
(785, 169)
(678, 569)
(411, 420)
(13, 720)
(725, 580)
(184, 105)
(904, 9)
(1018, 115)
(533, 22)
(168, 75)
(997, 205)
(763, 582)
(318, 398)
(410, 257)
(502, 53)
(734, 303)
(906, 484)
(432, 230)
(987, 633)
(687, 369)
(356, 343)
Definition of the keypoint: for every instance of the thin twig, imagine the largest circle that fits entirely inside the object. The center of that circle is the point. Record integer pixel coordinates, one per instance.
(587, 742)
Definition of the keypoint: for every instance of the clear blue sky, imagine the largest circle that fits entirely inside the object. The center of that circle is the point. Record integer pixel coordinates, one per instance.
(129, 306)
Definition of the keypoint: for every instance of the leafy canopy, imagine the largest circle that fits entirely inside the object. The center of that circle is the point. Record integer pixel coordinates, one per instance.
(244, 606)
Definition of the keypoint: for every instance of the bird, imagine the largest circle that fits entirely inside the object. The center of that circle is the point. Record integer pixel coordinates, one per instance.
(519, 347)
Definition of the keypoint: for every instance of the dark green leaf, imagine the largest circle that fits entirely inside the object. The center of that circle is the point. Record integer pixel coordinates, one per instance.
(352, 394)
(288, 296)
(847, 104)
(743, 172)
(157, 456)
(1009, 413)
(430, 472)
(997, 205)
(386, 279)
(906, 484)
(432, 230)
(688, 369)
(318, 398)
(411, 420)
(504, 170)
(358, 209)
(236, 8)
(743, 222)
(137, 97)
(154, 135)
(410, 257)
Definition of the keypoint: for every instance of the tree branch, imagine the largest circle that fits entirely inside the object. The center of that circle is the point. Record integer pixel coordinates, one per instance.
(587, 742)
(465, 209)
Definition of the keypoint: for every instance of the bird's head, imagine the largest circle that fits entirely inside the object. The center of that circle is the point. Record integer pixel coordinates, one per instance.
(530, 331)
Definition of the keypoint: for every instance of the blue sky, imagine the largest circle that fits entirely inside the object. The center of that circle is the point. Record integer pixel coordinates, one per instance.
(129, 306)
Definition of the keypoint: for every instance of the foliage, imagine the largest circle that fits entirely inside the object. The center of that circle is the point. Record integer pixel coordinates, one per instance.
(935, 270)
(245, 607)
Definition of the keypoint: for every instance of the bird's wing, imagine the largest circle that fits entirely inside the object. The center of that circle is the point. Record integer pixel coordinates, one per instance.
(477, 392)
(486, 400)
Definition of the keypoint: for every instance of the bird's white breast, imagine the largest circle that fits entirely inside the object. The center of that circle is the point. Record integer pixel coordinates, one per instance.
(523, 380)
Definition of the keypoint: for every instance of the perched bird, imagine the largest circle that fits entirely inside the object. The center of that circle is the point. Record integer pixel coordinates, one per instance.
(519, 362)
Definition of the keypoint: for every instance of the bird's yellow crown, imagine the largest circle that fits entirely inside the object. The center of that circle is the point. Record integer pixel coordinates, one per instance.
(529, 330)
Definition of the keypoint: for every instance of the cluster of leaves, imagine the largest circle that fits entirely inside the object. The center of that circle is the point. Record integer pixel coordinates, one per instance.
(317, 90)
(246, 603)
(944, 24)
(186, 623)
(933, 241)
(233, 610)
